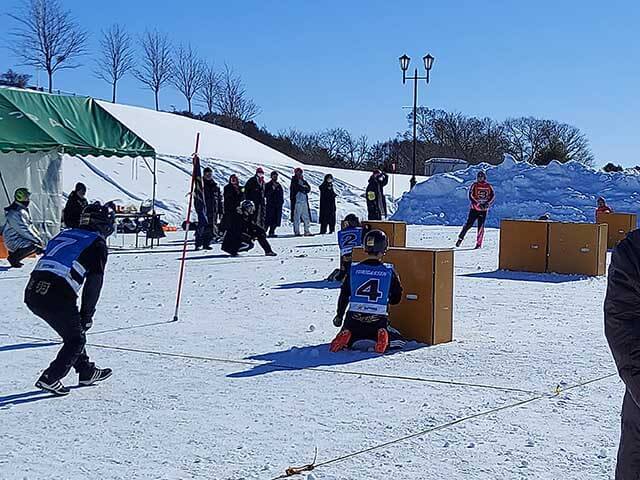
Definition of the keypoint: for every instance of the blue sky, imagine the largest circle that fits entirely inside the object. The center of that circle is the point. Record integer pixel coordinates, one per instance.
(315, 65)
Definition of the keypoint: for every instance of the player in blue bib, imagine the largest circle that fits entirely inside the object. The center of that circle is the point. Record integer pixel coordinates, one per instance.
(73, 261)
(349, 237)
(367, 291)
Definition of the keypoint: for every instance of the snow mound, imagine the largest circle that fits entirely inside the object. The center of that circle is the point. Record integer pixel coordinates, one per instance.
(567, 192)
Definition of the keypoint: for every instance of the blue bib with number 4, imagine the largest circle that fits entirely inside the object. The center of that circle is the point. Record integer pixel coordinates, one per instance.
(348, 239)
(370, 286)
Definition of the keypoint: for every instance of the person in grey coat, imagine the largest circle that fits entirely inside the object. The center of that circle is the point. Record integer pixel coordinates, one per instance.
(299, 199)
(622, 329)
(21, 237)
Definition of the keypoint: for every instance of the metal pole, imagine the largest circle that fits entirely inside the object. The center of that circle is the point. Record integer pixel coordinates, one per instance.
(415, 110)
(5, 188)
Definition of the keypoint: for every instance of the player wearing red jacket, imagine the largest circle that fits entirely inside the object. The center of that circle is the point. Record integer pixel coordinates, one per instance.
(481, 196)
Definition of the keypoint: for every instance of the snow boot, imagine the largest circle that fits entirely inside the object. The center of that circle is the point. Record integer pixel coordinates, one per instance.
(383, 341)
(56, 387)
(97, 375)
(341, 341)
(271, 254)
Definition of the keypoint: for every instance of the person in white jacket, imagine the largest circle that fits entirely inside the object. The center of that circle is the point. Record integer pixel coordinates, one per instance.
(21, 237)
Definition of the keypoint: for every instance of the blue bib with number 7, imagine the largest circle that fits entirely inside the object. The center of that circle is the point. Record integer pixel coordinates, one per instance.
(370, 286)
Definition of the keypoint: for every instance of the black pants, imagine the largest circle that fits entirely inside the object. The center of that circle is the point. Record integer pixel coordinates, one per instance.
(61, 313)
(327, 226)
(475, 215)
(246, 244)
(272, 230)
(628, 466)
(368, 330)
(15, 257)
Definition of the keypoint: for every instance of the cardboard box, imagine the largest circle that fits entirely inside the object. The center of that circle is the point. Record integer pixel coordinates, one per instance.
(425, 312)
(577, 248)
(396, 231)
(524, 245)
(620, 224)
(3, 250)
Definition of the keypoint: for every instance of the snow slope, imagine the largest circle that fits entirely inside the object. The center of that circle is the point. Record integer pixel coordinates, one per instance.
(129, 181)
(243, 386)
(567, 192)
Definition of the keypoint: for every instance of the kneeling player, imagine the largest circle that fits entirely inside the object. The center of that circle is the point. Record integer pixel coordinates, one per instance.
(72, 258)
(242, 230)
(368, 290)
(349, 237)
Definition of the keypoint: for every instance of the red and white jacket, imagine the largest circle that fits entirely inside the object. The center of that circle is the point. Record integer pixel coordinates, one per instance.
(481, 196)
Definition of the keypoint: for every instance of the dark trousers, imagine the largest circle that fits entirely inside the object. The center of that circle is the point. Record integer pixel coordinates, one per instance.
(61, 313)
(20, 254)
(628, 466)
(475, 215)
(327, 226)
(247, 243)
(272, 230)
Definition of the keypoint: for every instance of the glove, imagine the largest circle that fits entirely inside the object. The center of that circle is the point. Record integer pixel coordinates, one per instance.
(86, 322)
(337, 321)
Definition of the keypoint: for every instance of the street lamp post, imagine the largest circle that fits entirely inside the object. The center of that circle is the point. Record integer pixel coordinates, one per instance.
(404, 66)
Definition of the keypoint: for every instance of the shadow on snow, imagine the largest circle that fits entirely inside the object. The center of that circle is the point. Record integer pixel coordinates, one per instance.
(23, 346)
(312, 284)
(526, 276)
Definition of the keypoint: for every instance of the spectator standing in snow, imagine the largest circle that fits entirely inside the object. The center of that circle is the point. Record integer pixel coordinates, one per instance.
(299, 197)
(602, 206)
(254, 192)
(213, 201)
(274, 196)
(233, 195)
(481, 196)
(21, 237)
(327, 205)
(376, 202)
(76, 203)
(622, 329)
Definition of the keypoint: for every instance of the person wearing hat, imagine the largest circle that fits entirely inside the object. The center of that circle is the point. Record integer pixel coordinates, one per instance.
(21, 237)
(602, 206)
(254, 192)
(299, 198)
(481, 196)
(72, 266)
(376, 202)
(76, 203)
(274, 198)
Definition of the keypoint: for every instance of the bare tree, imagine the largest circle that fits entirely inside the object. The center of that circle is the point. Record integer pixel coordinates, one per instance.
(232, 103)
(47, 37)
(156, 65)
(210, 89)
(116, 57)
(188, 73)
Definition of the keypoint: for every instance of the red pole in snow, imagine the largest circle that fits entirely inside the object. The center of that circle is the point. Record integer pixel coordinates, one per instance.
(186, 232)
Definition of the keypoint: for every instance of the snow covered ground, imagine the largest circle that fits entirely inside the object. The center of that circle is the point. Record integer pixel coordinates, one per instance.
(128, 181)
(523, 191)
(243, 386)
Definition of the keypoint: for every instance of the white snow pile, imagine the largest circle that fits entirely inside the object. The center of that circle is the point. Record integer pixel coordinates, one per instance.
(567, 192)
(129, 181)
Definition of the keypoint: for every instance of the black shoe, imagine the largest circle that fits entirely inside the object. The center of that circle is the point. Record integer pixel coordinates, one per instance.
(56, 387)
(13, 262)
(271, 254)
(208, 247)
(97, 375)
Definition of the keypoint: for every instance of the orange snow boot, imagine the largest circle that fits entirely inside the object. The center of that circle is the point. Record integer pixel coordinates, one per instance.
(383, 341)
(341, 341)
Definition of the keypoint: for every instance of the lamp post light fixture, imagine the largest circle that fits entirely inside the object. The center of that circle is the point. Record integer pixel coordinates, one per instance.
(404, 66)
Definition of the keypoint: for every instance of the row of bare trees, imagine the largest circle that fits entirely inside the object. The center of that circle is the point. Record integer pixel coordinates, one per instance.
(47, 37)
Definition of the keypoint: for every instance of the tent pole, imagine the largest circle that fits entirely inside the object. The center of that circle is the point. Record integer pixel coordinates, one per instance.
(153, 192)
(4, 186)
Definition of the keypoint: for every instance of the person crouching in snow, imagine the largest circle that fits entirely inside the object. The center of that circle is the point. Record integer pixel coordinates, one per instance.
(368, 290)
(75, 259)
(21, 237)
(242, 230)
(481, 196)
(602, 206)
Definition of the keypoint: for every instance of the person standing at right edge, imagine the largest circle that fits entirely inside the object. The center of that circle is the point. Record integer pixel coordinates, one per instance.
(299, 198)
(622, 329)
(481, 196)
(376, 203)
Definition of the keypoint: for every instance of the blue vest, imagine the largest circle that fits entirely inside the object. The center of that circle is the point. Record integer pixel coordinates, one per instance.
(370, 286)
(348, 239)
(62, 253)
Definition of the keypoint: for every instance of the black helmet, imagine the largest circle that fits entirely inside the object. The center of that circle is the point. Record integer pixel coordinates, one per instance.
(351, 220)
(247, 207)
(99, 218)
(375, 242)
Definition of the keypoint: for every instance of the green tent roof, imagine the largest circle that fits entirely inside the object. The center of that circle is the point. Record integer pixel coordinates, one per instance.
(34, 122)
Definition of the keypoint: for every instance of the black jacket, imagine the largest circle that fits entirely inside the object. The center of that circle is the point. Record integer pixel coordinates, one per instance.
(242, 228)
(232, 198)
(622, 312)
(298, 185)
(395, 293)
(213, 200)
(376, 202)
(254, 191)
(73, 209)
(327, 204)
(274, 196)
